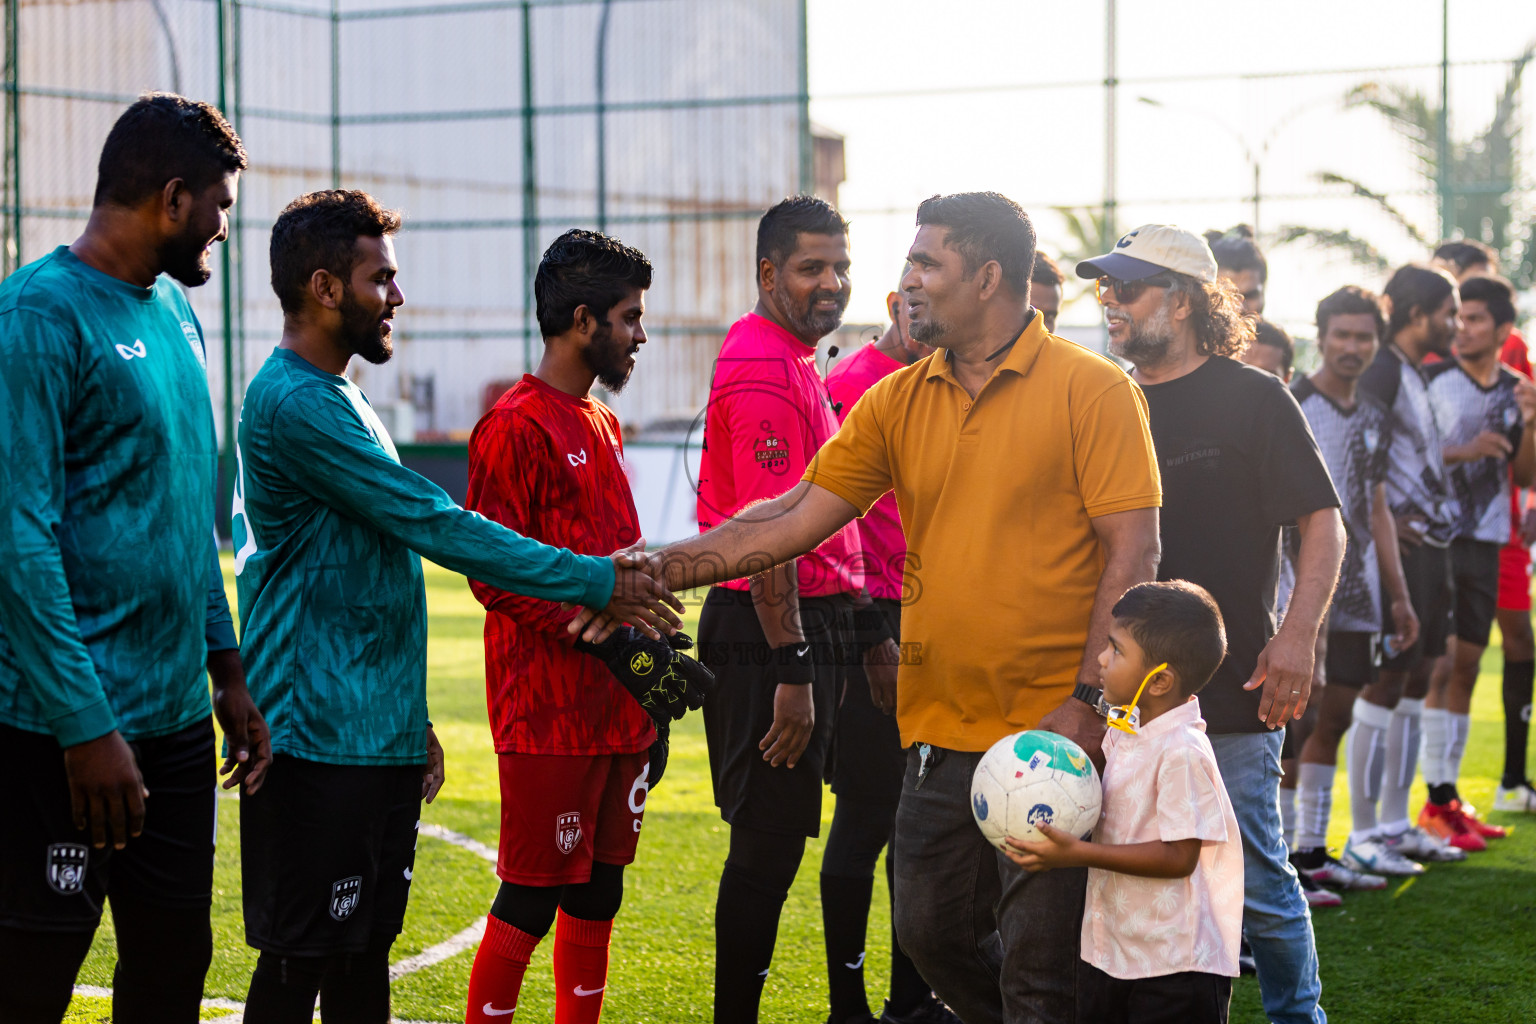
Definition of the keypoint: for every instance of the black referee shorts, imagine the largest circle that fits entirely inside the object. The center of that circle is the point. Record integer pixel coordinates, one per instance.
(739, 712)
(327, 852)
(53, 880)
(868, 760)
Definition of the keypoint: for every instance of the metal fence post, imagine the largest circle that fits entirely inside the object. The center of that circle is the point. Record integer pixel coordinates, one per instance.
(807, 147)
(530, 189)
(13, 248)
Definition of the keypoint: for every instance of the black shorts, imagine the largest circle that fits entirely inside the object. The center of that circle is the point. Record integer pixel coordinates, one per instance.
(739, 712)
(1427, 570)
(1353, 659)
(1475, 576)
(52, 879)
(326, 855)
(868, 760)
(1186, 998)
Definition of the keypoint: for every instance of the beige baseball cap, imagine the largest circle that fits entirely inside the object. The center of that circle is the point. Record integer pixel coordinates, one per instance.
(1151, 249)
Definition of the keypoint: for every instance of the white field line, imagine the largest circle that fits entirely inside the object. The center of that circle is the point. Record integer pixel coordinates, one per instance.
(467, 939)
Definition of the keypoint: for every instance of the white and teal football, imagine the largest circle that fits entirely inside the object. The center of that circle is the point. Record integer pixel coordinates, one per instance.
(1032, 777)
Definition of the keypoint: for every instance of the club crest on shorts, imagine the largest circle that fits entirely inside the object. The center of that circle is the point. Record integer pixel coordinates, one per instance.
(66, 867)
(344, 896)
(568, 830)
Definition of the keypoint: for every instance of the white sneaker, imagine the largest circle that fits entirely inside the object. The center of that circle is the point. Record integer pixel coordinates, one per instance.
(1341, 876)
(1521, 798)
(1373, 857)
(1417, 844)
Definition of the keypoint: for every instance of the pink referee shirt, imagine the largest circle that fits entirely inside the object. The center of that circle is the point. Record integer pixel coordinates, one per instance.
(885, 546)
(1163, 784)
(769, 413)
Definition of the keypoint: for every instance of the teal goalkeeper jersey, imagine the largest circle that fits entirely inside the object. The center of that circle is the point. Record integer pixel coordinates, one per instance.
(110, 591)
(327, 529)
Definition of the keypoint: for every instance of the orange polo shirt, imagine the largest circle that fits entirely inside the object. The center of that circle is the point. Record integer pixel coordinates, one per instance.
(996, 495)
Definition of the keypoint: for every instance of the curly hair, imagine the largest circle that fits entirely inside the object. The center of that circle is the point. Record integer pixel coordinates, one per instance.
(585, 268)
(1348, 300)
(1216, 314)
(162, 136)
(319, 231)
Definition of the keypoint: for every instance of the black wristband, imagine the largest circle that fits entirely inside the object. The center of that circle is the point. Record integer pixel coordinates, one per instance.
(870, 627)
(1088, 695)
(794, 663)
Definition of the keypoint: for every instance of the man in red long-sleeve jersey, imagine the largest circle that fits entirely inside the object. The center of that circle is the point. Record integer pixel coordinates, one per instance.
(572, 744)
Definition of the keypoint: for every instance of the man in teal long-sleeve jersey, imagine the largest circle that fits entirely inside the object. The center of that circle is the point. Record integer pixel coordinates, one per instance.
(328, 530)
(111, 599)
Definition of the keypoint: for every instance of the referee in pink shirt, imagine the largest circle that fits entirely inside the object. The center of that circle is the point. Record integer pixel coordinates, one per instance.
(773, 640)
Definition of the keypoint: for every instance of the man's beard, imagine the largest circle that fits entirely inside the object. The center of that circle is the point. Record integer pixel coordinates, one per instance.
(1145, 344)
(362, 331)
(610, 362)
(929, 331)
(808, 323)
(187, 261)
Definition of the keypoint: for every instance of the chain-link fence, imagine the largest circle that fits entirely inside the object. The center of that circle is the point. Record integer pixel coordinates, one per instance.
(493, 124)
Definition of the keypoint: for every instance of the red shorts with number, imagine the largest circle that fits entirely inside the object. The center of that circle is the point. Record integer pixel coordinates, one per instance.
(560, 812)
(1515, 578)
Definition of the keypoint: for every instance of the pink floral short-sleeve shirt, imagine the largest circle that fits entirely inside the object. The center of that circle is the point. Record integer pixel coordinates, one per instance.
(1163, 784)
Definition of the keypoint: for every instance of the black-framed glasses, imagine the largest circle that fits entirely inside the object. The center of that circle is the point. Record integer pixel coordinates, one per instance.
(1128, 292)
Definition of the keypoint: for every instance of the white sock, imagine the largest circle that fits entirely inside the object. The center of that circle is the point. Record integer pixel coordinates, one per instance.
(1432, 752)
(1288, 817)
(1403, 737)
(1314, 802)
(1365, 754)
(1456, 745)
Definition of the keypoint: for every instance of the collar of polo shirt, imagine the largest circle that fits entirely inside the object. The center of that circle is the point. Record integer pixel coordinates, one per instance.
(1022, 356)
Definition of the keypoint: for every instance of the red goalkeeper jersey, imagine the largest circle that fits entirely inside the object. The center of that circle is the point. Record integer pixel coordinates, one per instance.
(550, 466)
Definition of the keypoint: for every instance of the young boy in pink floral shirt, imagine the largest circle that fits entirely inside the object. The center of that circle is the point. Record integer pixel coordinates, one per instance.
(1165, 879)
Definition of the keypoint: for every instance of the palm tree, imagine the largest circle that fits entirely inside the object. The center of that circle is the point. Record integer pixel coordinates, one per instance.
(1484, 174)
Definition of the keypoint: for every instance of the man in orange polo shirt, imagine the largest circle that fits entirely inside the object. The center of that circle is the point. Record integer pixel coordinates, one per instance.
(1028, 489)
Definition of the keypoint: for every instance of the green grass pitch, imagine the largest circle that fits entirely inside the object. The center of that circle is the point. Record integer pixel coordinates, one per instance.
(1456, 945)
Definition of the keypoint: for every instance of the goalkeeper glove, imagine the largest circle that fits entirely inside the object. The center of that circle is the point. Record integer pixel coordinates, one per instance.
(666, 682)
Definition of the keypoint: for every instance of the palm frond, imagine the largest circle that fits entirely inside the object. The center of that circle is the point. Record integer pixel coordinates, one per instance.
(1358, 249)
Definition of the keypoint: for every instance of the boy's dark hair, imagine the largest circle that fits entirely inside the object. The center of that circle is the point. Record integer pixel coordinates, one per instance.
(585, 268)
(1415, 288)
(781, 227)
(1348, 300)
(985, 226)
(319, 231)
(1235, 250)
(162, 136)
(1495, 293)
(1046, 271)
(1466, 253)
(1178, 623)
(1273, 335)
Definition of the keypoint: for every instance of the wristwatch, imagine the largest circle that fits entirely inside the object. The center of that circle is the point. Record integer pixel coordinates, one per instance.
(1090, 695)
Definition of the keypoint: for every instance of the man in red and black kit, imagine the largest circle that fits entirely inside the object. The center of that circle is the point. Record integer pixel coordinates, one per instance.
(573, 744)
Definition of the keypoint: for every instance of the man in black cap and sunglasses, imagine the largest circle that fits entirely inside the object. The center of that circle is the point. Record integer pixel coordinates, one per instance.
(1238, 461)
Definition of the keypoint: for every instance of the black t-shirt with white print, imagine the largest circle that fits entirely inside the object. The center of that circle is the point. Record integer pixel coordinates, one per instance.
(1354, 445)
(1464, 409)
(1238, 461)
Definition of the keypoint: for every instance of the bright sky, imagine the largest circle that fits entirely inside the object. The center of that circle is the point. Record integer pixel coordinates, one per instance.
(1005, 95)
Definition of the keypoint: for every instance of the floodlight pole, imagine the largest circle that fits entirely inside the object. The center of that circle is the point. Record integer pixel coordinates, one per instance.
(602, 117)
(1107, 228)
(1443, 148)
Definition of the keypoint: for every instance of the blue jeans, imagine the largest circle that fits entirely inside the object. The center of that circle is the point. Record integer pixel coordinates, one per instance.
(1276, 920)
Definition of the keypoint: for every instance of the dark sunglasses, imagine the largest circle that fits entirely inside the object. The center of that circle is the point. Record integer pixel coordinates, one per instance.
(1128, 291)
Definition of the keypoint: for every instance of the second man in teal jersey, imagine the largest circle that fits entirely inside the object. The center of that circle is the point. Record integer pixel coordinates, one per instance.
(328, 530)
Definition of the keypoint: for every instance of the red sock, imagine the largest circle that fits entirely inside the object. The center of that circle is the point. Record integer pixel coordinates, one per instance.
(581, 969)
(497, 977)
